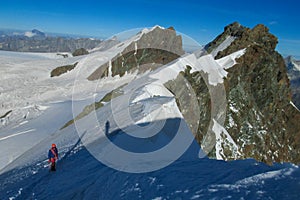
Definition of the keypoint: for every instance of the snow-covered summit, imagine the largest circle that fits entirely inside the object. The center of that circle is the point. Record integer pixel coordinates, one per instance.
(35, 33)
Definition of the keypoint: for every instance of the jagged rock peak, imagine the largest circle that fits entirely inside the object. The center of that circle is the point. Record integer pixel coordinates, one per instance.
(160, 38)
(235, 29)
(260, 116)
(152, 49)
(261, 34)
(244, 37)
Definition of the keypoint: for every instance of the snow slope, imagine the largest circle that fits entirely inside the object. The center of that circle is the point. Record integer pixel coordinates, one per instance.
(26, 87)
(80, 176)
(296, 65)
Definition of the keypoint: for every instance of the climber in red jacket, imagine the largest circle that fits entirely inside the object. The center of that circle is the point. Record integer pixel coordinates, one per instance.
(53, 156)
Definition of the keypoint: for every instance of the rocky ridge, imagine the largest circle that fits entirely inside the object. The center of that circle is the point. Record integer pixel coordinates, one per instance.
(260, 117)
(154, 49)
(260, 120)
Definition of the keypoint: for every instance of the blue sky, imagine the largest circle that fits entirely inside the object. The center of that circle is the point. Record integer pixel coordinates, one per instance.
(201, 20)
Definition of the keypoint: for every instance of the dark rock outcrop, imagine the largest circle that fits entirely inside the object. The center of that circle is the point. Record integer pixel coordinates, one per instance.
(234, 30)
(62, 69)
(80, 52)
(154, 49)
(191, 92)
(260, 118)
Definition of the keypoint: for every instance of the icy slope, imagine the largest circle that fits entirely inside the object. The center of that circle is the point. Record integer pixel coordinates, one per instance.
(80, 176)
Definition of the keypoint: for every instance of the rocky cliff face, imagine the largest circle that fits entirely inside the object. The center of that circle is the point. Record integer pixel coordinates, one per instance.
(293, 69)
(154, 49)
(261, 122)
(260, 118)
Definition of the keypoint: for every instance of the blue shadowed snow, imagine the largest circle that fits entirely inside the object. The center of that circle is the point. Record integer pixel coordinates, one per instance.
(80, 176)
(149, 144)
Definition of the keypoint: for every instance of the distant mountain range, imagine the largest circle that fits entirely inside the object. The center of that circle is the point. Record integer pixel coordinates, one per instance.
(38, 41)
(293, 69)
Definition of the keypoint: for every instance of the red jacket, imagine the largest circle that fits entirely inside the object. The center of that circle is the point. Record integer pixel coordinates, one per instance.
(53, 154)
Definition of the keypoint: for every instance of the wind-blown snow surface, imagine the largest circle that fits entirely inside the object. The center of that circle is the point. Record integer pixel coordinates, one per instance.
(42, 105)
(81, 176)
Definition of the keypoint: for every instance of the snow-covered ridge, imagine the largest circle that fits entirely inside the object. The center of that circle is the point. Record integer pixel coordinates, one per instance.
(226, 43)
(207, 64)
(230, 60)
(296, 65)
